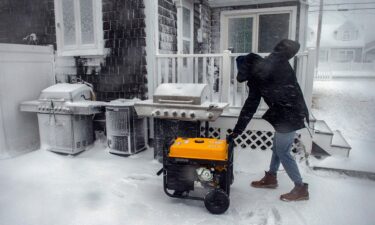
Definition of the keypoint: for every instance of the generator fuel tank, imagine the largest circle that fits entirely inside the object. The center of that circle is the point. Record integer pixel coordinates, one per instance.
(199, 148)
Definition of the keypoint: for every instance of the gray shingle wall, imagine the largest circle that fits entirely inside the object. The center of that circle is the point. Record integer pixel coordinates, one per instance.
(124, 73)
(167, 15)
(20, 18)
(202, 21)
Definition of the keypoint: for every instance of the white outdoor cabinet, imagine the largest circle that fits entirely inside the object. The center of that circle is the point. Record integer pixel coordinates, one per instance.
(126, 132)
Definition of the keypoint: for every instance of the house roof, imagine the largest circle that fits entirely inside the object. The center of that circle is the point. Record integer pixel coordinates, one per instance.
(328, 39)
(222, 3)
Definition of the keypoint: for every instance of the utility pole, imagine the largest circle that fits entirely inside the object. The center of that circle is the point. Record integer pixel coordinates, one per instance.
(319, 33)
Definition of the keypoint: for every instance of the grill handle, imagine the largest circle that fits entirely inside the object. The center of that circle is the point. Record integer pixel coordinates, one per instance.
(176, 101)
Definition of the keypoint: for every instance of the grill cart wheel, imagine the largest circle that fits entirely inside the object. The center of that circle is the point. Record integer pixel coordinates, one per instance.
(216, 201)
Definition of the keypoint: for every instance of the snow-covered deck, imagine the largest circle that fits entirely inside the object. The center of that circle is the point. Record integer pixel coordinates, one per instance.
(96, 187)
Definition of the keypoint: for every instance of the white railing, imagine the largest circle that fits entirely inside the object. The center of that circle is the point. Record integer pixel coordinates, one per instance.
(219, 71)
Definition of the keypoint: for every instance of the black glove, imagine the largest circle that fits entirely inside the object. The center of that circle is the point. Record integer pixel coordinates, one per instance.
(232, 136)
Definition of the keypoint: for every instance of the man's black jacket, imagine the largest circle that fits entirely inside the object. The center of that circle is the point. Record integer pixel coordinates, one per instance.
(273, 79)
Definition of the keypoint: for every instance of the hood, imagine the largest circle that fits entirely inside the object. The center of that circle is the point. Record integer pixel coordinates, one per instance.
(287, 48)
(247, 66)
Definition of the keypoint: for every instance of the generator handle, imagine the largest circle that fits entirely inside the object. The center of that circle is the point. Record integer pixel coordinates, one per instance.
(230, 142)
(160, 171)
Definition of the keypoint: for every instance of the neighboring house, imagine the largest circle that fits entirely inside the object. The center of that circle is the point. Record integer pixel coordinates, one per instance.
(125, 48)
(340, 43)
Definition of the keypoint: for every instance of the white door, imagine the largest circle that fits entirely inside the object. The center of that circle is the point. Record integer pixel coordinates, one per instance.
(245, 31)
(185, 40)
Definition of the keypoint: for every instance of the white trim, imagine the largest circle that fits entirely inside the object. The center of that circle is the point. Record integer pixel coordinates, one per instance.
(225, 15)
(303, 26)
(152, 41)
(180, 38)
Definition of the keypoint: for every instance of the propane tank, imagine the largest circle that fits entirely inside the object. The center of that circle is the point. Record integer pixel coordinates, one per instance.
(204, 174)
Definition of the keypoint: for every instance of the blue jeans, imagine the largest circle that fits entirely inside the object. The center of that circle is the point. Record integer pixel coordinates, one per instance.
(282, 144)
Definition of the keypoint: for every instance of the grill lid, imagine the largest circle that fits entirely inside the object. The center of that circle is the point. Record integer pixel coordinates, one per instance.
(194, 94)
(67, 92)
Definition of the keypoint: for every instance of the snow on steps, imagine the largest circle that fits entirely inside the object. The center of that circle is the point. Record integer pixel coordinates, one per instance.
(327, 141)
(359, 164)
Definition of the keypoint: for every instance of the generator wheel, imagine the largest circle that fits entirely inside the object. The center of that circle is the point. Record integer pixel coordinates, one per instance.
(216, 201)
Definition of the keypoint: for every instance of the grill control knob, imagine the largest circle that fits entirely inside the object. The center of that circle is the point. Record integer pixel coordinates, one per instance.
(192, 114)
(174, 113)
(210, 115)
(157, 112)
(165, 113)
(183, 114)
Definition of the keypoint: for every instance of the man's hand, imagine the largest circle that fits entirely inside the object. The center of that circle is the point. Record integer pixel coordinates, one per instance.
(232, 136)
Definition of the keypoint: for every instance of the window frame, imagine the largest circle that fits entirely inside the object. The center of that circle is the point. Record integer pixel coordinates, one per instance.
(346, 35)
(345, 53)
(79, 49)
(180, 36)
(255, 13)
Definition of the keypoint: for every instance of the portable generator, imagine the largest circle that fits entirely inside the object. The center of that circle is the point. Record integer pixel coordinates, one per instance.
(204, 164)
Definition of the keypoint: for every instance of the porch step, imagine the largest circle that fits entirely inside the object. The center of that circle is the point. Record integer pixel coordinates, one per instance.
(321, 127)
(327, 142)
(339, 141)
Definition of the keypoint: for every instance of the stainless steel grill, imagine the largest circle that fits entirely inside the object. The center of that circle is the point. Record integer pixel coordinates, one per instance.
(178, 110)
(188, 102)
(65, 117)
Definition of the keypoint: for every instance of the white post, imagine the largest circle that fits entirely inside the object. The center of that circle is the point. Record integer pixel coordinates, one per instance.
(226, 76)
(310, 74)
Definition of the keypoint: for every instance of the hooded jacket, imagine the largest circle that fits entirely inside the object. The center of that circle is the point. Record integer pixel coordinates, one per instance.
(273, 79)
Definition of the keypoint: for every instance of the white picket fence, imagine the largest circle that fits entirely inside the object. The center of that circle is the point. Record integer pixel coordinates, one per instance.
(219, 71)
(25, 70)
(329, 70)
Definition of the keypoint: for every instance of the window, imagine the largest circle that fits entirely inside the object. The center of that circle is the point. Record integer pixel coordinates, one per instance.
(241, 34)
(272, 29)
(256, 30)
(323, 55)
(346, 36)
(346, 55)
(79, 28)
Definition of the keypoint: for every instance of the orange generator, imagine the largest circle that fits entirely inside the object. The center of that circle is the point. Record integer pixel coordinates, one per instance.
(199, 169)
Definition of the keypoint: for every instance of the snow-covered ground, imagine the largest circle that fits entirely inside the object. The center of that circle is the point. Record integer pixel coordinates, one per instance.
(348, 105)
(95, 187)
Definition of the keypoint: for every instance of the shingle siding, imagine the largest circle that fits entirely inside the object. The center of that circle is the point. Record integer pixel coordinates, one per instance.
(167, 16)
(123, 73)
(21, 18)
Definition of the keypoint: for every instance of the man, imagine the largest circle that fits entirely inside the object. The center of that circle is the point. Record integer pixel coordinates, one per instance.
(274, 79)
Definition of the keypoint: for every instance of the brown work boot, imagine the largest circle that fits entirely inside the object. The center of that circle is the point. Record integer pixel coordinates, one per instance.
(268, 181)
(298, 193)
